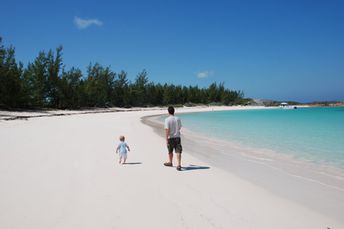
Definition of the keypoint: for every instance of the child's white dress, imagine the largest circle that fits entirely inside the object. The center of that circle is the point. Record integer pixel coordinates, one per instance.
(122, 149)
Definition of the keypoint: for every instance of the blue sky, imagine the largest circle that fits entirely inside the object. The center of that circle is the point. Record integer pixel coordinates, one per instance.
(283, 50)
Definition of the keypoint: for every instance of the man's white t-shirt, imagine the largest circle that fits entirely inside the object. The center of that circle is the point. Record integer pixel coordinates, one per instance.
(174, 125)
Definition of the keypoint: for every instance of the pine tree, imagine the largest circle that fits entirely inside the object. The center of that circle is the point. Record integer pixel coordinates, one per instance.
(35, 77)
(70, 90)
(54, 64)
(139, 89)
(10, 78)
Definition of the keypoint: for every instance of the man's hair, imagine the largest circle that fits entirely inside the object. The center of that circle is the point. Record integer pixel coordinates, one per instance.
(171, 110)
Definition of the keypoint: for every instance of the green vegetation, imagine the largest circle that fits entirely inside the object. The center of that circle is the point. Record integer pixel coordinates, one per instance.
(45, 83)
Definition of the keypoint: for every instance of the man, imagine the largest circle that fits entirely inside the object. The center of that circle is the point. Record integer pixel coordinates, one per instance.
(172, 131)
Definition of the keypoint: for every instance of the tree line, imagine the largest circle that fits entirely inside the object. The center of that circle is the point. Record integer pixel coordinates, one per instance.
(45, 83)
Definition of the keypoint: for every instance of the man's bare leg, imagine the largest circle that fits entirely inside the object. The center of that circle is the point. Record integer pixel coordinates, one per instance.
(170, 158)
(179, 159)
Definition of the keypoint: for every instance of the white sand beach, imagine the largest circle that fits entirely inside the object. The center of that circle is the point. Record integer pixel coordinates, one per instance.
(62, 172)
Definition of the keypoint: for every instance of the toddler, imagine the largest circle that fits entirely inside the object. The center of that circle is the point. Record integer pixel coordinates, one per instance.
(122, 150)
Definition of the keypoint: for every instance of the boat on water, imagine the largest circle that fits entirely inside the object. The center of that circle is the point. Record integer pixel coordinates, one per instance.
(285, 105)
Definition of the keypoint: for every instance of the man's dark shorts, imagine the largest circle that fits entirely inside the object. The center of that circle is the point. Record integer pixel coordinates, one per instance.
(174, 143)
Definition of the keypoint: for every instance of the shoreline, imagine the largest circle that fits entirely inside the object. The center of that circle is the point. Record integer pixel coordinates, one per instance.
(24, 114)
(268, 170)
(10, 115)
(28, 114)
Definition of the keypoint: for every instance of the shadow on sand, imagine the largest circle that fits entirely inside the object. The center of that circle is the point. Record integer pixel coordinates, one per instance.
(133, 163)
(194, 167)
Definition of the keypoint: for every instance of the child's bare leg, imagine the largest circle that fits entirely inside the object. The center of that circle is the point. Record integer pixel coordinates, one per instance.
(120, 160)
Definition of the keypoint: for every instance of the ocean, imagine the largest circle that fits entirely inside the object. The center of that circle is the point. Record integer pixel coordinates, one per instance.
(310, 134)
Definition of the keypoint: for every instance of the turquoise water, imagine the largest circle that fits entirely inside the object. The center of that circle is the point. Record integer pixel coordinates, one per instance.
(313, 134)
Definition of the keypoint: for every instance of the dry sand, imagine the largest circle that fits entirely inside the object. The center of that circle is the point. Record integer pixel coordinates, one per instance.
(62, 172)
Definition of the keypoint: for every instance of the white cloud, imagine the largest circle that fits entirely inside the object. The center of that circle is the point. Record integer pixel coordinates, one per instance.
(81, 23)
(204, 74)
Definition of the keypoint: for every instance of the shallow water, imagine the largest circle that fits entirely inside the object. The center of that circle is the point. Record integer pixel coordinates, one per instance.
(311, 134)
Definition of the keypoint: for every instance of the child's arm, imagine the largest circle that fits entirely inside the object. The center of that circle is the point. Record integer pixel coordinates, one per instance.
(128, 147)
(117, 149)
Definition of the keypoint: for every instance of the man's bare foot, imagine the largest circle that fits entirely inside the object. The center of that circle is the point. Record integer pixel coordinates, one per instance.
(168, 164)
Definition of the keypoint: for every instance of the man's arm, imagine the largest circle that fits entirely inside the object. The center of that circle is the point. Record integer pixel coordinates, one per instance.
(167, 131)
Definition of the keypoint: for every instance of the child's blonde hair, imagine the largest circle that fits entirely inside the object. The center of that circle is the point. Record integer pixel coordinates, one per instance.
(121, 138)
